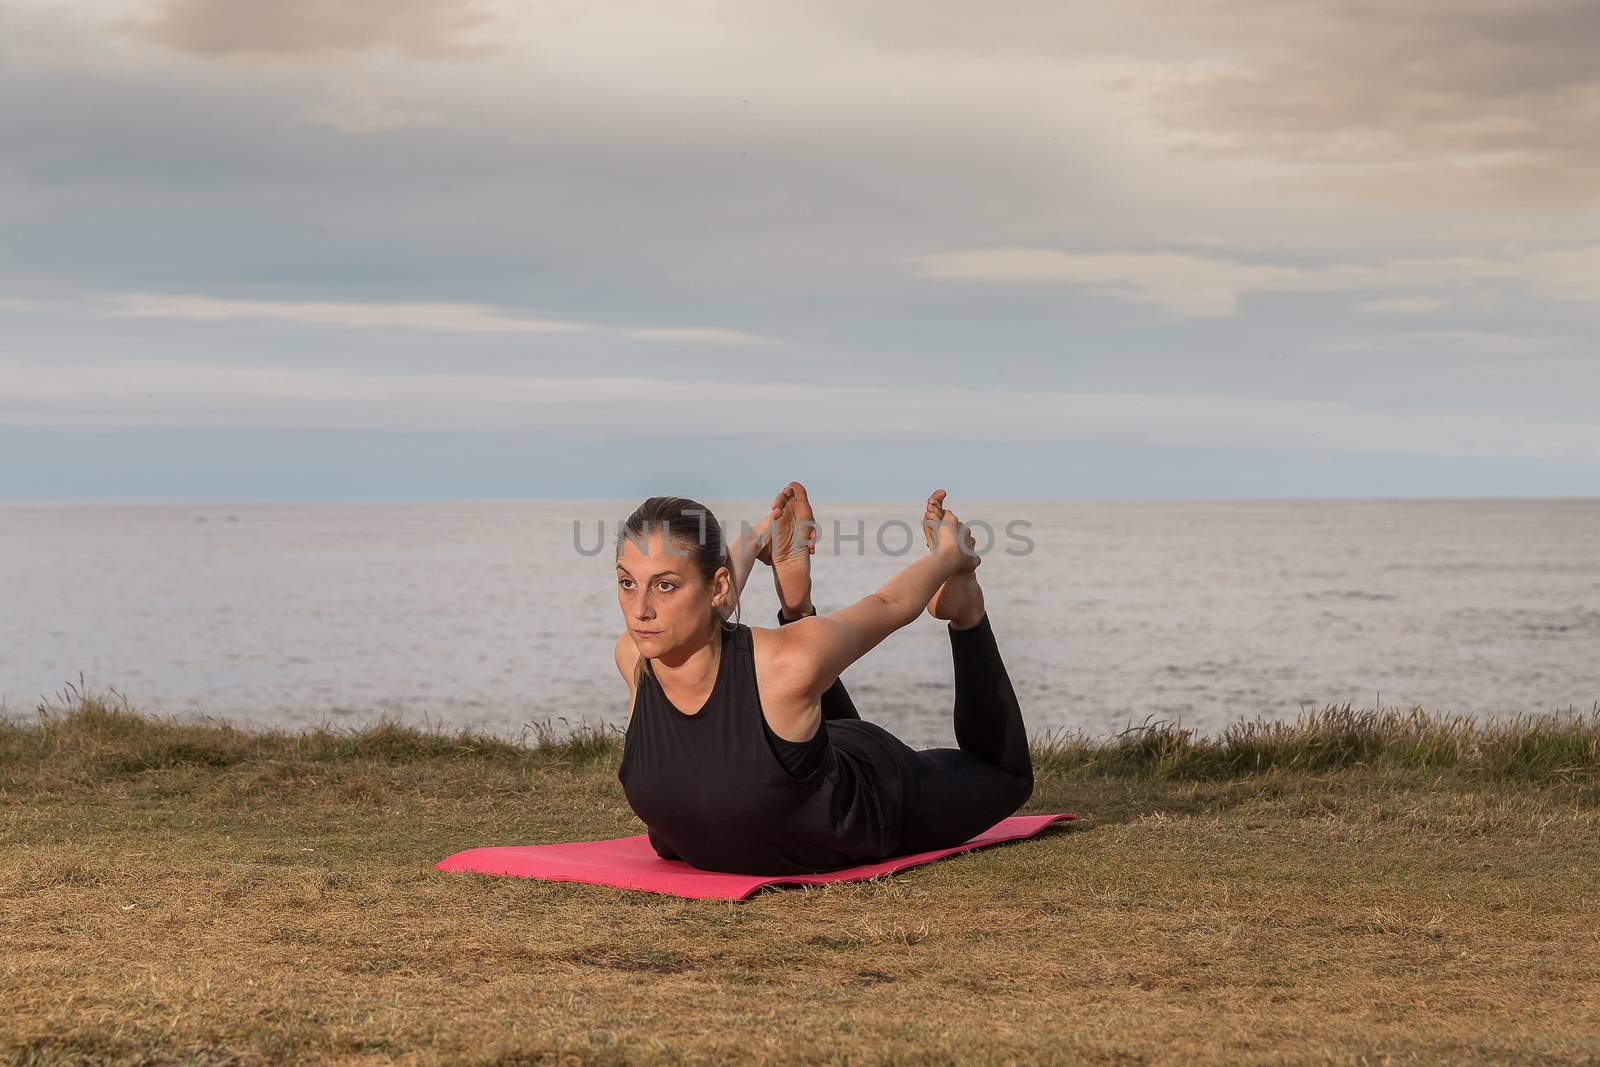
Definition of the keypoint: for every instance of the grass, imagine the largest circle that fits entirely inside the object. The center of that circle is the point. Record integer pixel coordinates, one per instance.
(1360, 887)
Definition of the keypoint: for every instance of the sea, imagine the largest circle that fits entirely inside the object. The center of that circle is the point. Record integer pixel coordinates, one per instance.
(496, 616)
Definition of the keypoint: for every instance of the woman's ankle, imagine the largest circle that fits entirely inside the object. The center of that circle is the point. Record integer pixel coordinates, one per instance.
(799, 612)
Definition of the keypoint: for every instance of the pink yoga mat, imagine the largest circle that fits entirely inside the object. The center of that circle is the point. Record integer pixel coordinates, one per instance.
(630, 863)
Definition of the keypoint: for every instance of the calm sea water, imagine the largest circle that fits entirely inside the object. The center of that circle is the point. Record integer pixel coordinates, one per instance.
(491, 615)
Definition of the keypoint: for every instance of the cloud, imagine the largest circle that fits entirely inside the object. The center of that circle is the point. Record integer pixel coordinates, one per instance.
(447, 317)
(1566, 273)
(222, 29)
(690, 335)
(784, 139)
(1457, 342)
(1402, 305)
(645, 408)
(1497, 100)
(1201, 286)
(472, 318)
(1187, 284)
(360, 109)
(1479, 103)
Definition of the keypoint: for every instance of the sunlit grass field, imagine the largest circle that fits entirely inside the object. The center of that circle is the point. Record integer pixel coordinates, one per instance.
(1360, 887)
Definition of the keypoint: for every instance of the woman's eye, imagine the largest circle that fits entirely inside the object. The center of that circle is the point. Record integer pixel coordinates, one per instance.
(659, 584)
(624, 582)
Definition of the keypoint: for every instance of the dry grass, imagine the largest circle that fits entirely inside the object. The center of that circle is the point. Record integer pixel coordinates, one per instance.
(1365, 887)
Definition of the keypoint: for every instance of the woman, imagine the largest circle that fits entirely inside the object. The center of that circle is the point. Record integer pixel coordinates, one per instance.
(743, 751)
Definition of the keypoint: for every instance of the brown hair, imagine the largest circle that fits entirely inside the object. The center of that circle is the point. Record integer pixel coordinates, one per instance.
(692, 529)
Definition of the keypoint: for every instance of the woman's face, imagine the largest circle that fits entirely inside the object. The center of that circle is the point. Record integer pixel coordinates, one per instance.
(665, 603)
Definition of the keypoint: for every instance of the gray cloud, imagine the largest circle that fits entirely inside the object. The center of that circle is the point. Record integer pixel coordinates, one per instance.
(1402, 305)
(651, 409)
(1106, 206)
(1493, 103)
(1489, 103)
(1212, 285)
(430, 29)
(442, 317)
(361, 109)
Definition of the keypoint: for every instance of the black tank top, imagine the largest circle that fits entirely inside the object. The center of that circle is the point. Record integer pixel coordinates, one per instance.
(799, 758)
(713, 791)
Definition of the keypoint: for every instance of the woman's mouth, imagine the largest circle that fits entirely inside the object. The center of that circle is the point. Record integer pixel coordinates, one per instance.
(646, 633)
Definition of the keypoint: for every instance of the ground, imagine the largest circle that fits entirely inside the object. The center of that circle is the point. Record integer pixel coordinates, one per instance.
(1413, 893)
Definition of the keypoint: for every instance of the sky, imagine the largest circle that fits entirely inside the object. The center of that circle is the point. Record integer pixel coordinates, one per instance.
(474, 249)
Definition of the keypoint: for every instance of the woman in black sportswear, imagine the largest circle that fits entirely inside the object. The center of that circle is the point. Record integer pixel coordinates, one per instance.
(743, 751)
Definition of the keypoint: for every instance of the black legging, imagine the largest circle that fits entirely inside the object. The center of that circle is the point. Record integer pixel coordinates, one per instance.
(956, 793)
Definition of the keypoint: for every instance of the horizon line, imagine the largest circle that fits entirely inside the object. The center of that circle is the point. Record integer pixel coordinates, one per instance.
(1331, 498)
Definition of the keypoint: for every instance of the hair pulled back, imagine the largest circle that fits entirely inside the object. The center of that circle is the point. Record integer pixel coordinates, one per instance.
(692, 529)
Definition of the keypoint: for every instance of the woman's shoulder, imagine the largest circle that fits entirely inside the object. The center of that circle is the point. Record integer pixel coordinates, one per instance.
(779, 673)
(626, 655)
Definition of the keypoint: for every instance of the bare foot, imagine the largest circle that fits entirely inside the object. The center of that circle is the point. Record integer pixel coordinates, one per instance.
(790, 548)
(959, 601)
